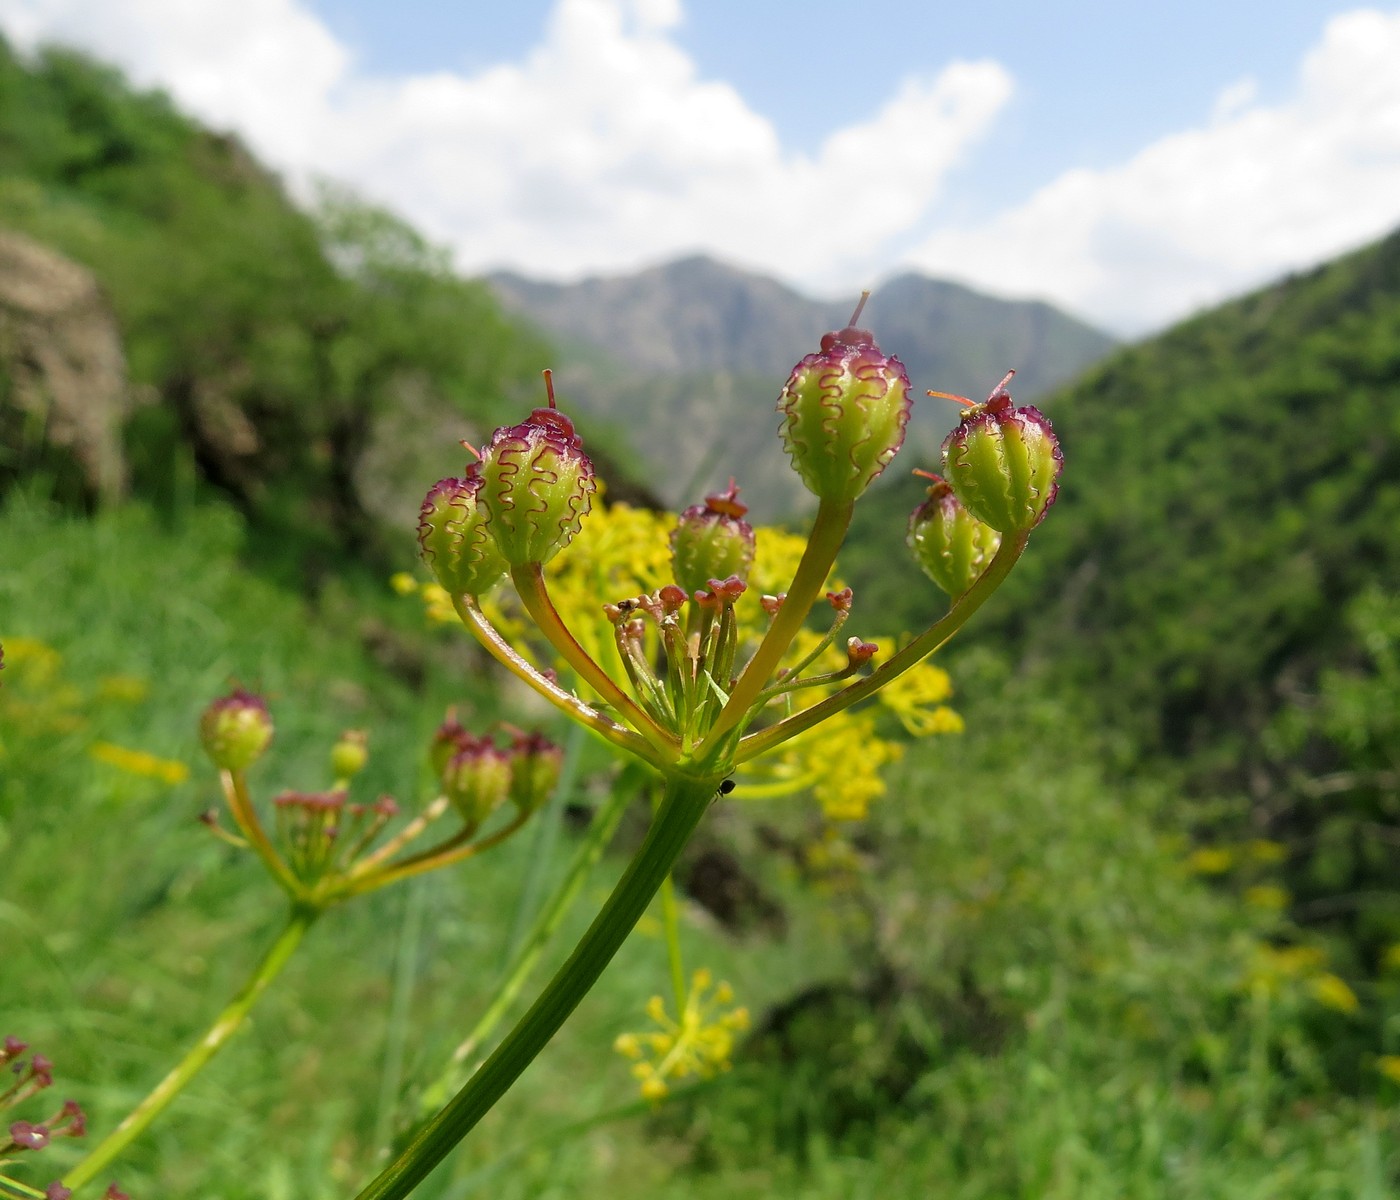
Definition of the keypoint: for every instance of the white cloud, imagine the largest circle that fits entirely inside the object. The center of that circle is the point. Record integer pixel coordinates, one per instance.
(1196, 216)
(264, 67)
(602, 149)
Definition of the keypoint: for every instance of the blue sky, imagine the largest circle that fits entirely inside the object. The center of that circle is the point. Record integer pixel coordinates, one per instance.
(1098, 80)
(1128, 162)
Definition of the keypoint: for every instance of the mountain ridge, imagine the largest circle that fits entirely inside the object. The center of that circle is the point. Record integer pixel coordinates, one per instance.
(703, 344)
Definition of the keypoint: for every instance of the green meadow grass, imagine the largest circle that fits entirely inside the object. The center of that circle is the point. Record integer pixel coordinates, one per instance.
(1061, 1012)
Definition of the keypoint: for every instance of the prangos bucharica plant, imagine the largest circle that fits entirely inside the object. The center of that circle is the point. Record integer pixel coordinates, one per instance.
(696, 698)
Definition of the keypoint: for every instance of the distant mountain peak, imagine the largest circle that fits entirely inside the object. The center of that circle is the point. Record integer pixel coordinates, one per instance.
(716, 338)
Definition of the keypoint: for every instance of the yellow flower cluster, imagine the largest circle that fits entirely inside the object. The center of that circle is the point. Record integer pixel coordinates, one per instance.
(1218, 860)
(699, 1042)
(138, 762)
(830, 862)
(437, 604)
(917, 697)
(38, 702)
(839, 762)
(1276, 968)
(621, 552)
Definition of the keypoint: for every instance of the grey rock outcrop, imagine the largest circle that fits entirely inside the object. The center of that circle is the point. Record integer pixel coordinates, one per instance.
(62, 371)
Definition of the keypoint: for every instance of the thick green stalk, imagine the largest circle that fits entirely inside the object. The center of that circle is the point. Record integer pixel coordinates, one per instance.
(828, 532)
(240, 804)
(527, 953)
(686, 799)
(227, 1024)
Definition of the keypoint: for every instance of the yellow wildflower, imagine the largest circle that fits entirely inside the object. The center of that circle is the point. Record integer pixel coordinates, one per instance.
(831, 861)
(844, 756)
(1273, 966)
(699, 1042)
(1211, 860)
(403, 583)
(138, 762)
(1296, 960)
(1261, 850)
(437, 604)
(1390, 960)
(38, 661)
(916, 698)
(1333, 992)
(123, 689)
(35, 700)
(1267, 896)
(1389, 1066)
(776, 555)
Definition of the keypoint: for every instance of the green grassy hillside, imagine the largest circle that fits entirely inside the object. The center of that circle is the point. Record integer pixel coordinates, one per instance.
(1133, 934)
(1216, 583)
(312, 367)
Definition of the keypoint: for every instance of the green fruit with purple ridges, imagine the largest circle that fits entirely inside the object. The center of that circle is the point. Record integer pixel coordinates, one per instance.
(454, 539)
(1004, 463)
(951, 545)
(235, 730)
(477, 781)
(537, 487)
(712, 541)
(844, 414)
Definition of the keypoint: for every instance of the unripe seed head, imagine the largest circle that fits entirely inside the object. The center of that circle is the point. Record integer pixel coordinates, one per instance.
(712, 541)
(350, 754)
(538, 486)
(951, 545)
(448, 739)
(235, 730)
(453, 537)
(477, 781)
(844, 412)
(1004, 463)
(535, 766)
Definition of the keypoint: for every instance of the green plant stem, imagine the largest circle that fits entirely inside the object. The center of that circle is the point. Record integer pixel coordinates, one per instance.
(541, 856)
(914, 653)
(569, 704)
(527, 954)
(445, 855)
(240, 804)
(529, 583)
(671, 925)
(828, 532)
(406, 960)
(223, 1028)
(670, 918)
(685, 801)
